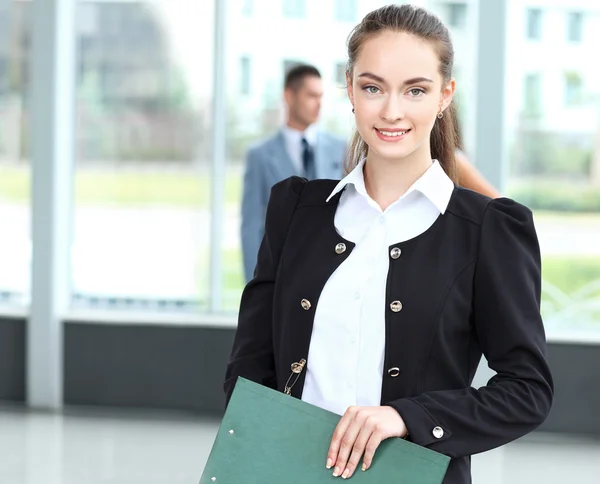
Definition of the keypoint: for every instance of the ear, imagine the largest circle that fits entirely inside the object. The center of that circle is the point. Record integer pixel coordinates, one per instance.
(350, 88)
(289, 95)
(447, 94)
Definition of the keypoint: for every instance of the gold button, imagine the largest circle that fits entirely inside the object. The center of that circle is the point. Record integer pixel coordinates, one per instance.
(396, 306)
(340, 248)
(394, 372)
(305, 304)
(395, 253)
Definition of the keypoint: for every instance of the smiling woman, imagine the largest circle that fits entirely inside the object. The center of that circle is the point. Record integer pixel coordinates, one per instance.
(383, 291)
(420, 101)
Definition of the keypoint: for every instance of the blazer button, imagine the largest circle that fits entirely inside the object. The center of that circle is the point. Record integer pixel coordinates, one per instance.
(396, 306)
(438, 432)
(340, 249)
(394, 372)
(305, 303)
(395, 253)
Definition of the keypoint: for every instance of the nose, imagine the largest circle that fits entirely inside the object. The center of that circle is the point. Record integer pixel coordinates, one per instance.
(392, 110)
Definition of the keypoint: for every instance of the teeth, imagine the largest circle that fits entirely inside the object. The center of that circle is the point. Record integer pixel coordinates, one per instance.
(396, 133)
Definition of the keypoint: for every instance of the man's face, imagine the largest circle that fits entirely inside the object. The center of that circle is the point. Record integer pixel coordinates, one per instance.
(304, 104)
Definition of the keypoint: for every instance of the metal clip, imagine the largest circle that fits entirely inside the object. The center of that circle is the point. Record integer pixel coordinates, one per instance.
(297, 368)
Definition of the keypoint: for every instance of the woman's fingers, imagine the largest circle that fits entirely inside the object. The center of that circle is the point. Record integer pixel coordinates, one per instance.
(370, 449)
(347, 443)
(367, 436)
(358, 434)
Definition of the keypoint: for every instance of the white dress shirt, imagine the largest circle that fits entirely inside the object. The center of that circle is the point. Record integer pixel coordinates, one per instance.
(346, 355)
(293, 143)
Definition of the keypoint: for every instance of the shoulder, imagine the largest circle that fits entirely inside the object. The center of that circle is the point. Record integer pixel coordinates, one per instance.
(262, 146)
(304, 192)
(475, 207)
(503, 226)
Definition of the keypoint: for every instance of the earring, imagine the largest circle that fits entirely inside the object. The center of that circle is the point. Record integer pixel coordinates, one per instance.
(352, 110)
(440, 115)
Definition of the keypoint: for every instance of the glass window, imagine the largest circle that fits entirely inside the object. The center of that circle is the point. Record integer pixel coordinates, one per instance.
(532, 105)
(294, 8)
(141, 220)
(340, 73)
(555, 167)
(457, 15)
(534, 23)
(247, 7)
(345, 10)
(575, 27)
(245, 75)
(15, 197)
(573, 89)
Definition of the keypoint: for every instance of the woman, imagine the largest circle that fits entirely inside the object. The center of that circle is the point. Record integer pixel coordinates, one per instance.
(375, 297)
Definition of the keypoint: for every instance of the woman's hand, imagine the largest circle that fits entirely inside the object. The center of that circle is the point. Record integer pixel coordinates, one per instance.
(361, 430)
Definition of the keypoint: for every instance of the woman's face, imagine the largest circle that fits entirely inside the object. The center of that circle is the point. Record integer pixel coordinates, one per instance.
(397, 92)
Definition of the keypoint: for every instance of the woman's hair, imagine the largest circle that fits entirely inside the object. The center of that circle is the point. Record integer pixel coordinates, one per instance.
(423, 24)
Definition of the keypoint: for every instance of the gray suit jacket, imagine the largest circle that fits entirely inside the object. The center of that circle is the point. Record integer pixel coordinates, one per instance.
(267, 164)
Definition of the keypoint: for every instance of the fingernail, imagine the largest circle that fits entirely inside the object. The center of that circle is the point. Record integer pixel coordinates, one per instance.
(346, 474)
(364, 467)
(329, 463)
(336, 472)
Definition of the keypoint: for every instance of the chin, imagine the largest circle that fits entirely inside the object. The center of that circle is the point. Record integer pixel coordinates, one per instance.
(390, 151)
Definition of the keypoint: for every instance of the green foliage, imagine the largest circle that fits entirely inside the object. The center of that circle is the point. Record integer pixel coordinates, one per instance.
(550, 154)
(557, 196)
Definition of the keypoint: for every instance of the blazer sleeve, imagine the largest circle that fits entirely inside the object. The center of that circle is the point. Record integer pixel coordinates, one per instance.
(509, 329)
(252, 352)
(254, 205)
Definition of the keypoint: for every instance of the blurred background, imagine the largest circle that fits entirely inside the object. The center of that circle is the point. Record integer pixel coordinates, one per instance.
(123, 130)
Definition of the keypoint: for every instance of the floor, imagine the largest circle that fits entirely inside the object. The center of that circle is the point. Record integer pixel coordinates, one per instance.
(133, 447)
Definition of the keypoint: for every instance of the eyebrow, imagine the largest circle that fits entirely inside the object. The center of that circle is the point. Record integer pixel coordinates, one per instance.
(414, 80)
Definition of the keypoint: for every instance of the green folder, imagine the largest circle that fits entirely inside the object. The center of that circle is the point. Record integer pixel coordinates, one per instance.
(267, 437)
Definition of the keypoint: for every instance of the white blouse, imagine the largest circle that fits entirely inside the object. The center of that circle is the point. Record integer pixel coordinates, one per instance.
(346, 355)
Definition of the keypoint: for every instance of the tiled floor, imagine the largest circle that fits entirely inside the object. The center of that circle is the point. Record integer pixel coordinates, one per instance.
(86, 446)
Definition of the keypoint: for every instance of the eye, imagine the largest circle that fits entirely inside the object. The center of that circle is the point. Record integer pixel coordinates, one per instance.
(416, 92)
(371, 89)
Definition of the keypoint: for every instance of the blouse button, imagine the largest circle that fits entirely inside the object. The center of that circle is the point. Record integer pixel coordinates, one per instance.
(438, 432)
(394, 372)
(396, 306)
(395, 253)
(340, 249)
(305, 303)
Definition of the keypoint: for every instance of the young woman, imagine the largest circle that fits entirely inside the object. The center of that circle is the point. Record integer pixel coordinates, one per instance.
(376, 296)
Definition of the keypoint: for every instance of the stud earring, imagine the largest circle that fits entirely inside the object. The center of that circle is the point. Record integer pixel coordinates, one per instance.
(353, 110)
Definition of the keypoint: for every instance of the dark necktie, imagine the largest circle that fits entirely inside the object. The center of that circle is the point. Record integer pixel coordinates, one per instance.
(308, 160)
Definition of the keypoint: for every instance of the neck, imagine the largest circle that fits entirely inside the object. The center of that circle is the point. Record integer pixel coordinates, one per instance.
(297, 124)
(387, 180)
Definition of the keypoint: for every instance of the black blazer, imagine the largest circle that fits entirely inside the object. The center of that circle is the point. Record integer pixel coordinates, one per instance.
(468, 285)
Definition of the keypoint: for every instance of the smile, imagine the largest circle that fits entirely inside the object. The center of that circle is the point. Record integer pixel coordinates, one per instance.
(395, 135)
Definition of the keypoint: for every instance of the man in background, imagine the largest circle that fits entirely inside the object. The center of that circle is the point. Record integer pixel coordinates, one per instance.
(298, 148)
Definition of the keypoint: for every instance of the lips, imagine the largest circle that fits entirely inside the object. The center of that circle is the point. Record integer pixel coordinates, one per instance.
(392, 134)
